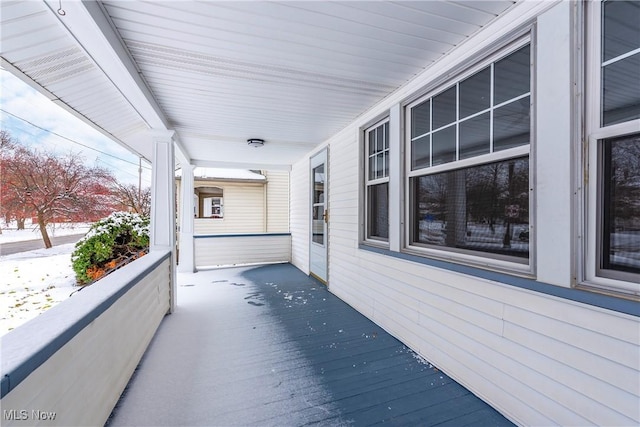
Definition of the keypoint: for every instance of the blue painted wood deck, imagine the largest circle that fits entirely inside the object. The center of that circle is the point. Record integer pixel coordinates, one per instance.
(269, 346)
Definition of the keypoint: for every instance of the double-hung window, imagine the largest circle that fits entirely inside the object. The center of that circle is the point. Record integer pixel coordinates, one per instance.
(613, 126)
(468, 164)
(377, 182)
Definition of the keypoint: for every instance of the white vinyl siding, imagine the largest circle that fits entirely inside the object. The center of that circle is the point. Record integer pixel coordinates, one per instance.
(300, 215)
(244, 210)
(239, 250)
(537, 358)
(277, 202)
(510, 346)
(249, 207)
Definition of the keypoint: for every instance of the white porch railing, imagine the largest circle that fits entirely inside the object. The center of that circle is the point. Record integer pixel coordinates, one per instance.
(241, 249)
(69, 365)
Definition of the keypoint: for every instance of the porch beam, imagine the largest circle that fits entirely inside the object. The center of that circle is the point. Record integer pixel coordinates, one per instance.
(163, 219)
(242, 165)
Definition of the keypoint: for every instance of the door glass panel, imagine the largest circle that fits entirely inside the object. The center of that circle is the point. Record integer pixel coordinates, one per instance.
(318, 224)
(318, 184)
(318, 205)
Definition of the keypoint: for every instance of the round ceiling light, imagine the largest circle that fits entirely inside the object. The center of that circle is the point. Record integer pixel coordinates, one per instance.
(255, 142)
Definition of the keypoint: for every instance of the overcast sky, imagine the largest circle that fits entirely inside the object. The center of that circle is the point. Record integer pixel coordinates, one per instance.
(21, 104)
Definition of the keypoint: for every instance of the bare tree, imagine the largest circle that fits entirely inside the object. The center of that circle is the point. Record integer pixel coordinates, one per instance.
(131, 198)
(51, 187)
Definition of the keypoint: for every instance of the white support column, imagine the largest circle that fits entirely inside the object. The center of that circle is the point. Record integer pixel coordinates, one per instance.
(187, 250)
(163, 215)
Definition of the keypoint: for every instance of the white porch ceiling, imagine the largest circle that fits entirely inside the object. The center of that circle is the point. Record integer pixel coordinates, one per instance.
(293, 73)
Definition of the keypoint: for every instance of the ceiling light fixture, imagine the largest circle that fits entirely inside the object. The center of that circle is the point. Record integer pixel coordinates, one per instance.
(255, 142)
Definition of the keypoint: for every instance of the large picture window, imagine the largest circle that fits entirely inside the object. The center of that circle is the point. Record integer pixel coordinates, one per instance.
(468, 162)
(377, 182)
(613, 201)
(481, 208)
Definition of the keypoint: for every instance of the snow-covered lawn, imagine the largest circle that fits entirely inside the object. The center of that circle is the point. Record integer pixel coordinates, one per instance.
(33, 281)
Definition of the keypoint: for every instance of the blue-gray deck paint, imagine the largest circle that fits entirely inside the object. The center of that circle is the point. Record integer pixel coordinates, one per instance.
(620, 305)
(271, 346)
(10, 380)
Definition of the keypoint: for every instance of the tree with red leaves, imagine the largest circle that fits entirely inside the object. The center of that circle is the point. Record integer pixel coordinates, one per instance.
(130, 198)
(51, 187)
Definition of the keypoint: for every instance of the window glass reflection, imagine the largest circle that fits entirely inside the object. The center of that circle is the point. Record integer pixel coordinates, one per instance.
(474, 136)
(421, 152)
(378, 210)
(482, 208)
(511, 125)
(475, 93)
(620, 27)
(621, 196)
(621, 90)
(512, 76)
(444, 146)
(420, 119)
(444, 108)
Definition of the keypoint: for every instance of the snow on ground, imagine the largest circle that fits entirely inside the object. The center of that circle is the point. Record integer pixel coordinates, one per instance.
(33, 281)
(32, 232)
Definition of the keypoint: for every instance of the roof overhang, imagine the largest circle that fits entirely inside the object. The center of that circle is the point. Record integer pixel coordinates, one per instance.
(293, 73)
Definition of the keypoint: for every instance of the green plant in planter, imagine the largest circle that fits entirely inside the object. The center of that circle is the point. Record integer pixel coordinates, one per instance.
(110, 242)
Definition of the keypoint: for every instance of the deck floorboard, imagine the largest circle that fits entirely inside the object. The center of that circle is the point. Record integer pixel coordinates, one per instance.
(269, 346)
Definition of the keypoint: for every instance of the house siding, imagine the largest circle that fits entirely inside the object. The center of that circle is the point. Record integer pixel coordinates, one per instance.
(537, 358)
(277, 201)
(244, 210)
(300, 216)
(242, 249)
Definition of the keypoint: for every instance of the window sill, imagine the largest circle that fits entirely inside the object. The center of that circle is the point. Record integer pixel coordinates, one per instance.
(382, 244)
(491, 262)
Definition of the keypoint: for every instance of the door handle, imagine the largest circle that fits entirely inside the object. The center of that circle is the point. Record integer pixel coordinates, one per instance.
(325, 215)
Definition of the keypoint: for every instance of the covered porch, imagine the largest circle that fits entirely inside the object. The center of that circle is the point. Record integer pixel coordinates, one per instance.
(268, 345)
(545, 339)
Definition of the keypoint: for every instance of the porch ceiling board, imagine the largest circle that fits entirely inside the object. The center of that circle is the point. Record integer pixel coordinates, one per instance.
(293, 73)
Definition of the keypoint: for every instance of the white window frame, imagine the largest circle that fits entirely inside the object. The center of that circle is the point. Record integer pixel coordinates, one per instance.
(378, 241)
(592, 275)
(487, 260)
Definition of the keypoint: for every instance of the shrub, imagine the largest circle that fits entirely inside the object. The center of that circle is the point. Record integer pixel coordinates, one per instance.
(110, 243)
